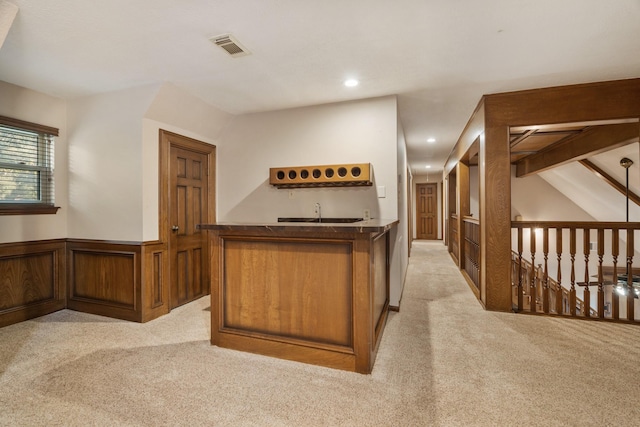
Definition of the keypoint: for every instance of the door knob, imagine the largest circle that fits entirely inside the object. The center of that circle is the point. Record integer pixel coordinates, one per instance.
(175, 228)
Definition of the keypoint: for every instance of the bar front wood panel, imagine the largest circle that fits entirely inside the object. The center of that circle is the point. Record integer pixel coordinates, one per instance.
(31, 280)
(284, 288)
(104, 278)
(380, 295)
(318, 297)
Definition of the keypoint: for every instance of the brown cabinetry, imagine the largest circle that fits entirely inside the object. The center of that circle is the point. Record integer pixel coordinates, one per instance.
(310, 293)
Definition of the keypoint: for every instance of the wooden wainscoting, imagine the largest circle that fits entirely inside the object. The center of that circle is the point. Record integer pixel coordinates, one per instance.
(104, 278)
(123, 280)
(156, 290)
(32, 280)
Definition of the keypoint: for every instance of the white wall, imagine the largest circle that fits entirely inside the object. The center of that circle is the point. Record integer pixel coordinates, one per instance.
(536, 200)
(105, 164)
(399, 237)
(24, 104)
(113, 152)
(349, 132)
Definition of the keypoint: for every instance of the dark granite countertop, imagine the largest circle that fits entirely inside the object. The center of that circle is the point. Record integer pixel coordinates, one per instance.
(365, 226)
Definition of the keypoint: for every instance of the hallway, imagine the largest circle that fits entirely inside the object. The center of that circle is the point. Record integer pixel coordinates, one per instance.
(443, 361)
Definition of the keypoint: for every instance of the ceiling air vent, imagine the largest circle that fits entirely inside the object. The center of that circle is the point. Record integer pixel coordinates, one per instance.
(230, 44)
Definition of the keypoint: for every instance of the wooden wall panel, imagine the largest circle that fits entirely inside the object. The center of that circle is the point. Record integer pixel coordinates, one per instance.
(284, 288)
(104, 278)
(116, 279)
(31, 280)
(155, 280)
(380, 285)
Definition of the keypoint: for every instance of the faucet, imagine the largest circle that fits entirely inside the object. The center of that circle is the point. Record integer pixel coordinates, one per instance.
(318, 211)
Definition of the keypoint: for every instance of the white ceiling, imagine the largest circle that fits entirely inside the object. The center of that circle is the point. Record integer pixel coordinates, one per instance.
(438, 56)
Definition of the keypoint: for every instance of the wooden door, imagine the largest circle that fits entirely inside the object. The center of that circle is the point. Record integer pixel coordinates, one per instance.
(188, 207)
(427, 211)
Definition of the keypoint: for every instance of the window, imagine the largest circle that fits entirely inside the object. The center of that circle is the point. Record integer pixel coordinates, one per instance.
(26, 167)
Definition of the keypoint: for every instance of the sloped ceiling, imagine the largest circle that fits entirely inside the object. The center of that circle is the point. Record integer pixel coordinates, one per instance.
(438, 56)
(593, 194)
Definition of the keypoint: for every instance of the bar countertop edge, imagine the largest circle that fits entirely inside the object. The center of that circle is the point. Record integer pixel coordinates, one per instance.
(365, 226)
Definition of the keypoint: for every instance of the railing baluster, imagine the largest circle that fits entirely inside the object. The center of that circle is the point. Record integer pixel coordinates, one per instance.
(630, 292)
(539, 288)
(600, 276)
(615, 251)
(545, 277)
(586, 296)
(559, 288)
(572, 253)
(520, 302)
(532, 288)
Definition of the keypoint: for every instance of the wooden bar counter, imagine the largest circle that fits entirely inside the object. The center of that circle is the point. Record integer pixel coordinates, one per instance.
(311, 292)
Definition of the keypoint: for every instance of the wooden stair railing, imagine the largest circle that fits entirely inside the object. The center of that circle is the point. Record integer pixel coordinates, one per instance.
(597, 241)
(557, 295)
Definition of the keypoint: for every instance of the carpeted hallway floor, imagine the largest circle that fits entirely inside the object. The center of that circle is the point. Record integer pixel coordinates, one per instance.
(443, 361)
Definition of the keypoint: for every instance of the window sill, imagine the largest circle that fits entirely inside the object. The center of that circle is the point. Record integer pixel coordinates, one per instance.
(27, 209)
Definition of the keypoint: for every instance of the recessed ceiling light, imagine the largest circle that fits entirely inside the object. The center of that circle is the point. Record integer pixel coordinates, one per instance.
(428, 166)
(431, 140)
(351, 83)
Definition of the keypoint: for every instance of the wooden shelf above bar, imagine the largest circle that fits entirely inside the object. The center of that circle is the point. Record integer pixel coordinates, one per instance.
(344, 175)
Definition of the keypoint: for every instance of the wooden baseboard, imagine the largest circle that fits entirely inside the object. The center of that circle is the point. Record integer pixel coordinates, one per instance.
(394, 308)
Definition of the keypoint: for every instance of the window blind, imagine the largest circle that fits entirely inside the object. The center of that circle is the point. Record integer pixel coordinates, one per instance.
(26, 166)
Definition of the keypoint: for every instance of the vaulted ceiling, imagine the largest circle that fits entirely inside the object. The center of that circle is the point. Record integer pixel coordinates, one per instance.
(438, 56)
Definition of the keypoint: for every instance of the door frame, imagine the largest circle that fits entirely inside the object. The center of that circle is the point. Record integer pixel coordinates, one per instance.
(168, 139)
(437, 200)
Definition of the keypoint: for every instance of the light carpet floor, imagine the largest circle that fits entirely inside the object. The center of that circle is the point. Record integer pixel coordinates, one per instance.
(443, 361)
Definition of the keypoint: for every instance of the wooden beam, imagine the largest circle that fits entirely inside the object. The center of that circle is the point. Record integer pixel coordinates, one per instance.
(588, 143)
(610, 180)
(522, 137)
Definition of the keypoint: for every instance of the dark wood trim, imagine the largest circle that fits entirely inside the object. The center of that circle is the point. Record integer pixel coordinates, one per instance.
(32, 280)
(471, 132)
(21, 124)
(592, 141)
(593, 225)
(600, 173)
(27, 209)
(394, 308)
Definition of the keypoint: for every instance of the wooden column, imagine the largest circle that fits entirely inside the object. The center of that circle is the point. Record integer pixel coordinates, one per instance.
(451, 204)
(464, 206)
(495, 217)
